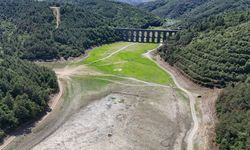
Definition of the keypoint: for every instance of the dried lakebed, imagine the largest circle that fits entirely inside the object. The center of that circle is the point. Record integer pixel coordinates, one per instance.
(127, 118)
(103, 109)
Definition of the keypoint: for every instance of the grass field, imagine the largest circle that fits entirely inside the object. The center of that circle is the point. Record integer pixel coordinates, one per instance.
(94, 83)
(126, 59)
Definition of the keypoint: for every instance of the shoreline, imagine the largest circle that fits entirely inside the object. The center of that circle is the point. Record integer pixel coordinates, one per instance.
(52, 103)
(205, 99)
(193, 130)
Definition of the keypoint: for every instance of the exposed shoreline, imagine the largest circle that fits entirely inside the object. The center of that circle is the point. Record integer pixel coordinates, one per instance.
(205, 101)
(52, 103)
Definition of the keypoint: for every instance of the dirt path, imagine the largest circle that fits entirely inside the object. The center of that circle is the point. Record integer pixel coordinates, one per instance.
(123, 77)
(193, 131)
(57, 14)
(110, 55)
(145, 84)
(137, 80)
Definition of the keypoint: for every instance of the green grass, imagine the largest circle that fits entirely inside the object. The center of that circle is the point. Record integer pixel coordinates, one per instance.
(105, 50)
(128, 62)
(83, 85)
(93, 82)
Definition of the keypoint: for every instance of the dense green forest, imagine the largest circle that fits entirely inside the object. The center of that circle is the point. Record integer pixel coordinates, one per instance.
(193, 9)
(27, 27)
(215, 7)
(24, 92)
(133, 2)
(233, 111)
(171, 8)
(115, 14)
(213, 51)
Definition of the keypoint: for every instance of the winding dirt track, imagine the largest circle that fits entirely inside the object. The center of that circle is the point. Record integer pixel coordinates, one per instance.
(57, 14)
(193, 131)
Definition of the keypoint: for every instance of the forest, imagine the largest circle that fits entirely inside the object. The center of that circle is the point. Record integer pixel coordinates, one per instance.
(193, 9)
(171, 8)
(24, 92)
(212, 49)
(83, 25)
(233, 111)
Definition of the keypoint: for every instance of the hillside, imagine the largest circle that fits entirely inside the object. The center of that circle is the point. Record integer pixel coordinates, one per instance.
(215, 7)
(134, 2)
(83, 25)
(213, 51)
(171, 8)
(193, 8)
(24, 92)
(233, 111)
